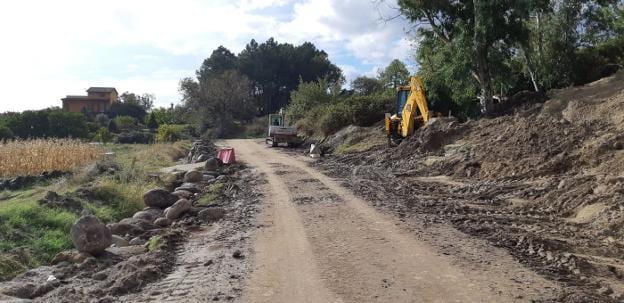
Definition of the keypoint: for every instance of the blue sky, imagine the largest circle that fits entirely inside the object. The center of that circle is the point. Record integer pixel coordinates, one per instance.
(54, 48)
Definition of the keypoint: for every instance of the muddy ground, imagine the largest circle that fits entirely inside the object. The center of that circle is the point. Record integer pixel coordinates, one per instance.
(545, 183)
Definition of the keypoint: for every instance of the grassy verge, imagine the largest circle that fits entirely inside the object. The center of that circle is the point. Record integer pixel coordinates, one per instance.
(211, 195)
(31, 234)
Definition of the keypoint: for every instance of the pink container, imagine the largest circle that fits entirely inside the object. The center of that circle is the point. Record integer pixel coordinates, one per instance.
(226, 155)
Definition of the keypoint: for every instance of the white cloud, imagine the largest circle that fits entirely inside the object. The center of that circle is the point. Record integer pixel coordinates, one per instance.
(53, 48)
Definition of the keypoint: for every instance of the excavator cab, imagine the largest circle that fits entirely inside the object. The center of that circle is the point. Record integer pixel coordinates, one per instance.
(401, 123)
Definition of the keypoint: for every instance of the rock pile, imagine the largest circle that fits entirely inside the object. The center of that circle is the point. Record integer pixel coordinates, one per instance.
(121, 257)
(159, 198)
(201, 150)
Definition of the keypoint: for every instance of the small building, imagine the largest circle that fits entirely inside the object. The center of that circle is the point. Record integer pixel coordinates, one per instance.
(97, 100)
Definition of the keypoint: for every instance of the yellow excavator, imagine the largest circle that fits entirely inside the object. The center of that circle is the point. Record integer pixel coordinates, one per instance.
(402, 123)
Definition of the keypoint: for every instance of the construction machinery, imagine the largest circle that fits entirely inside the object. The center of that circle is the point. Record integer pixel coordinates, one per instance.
(280, 133)
(402, 123)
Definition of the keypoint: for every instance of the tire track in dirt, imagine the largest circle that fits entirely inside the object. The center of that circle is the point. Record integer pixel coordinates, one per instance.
(345, 251)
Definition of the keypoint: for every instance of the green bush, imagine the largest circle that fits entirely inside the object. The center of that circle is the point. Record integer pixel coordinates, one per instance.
(154, 242)
(5, 133)
(125, 123)
(64, 124)
(257, 128)
(326, 119)
(52, 122)
(170, 132)
(368, 110)
(335, 117)
(135, 111)
(135, 137)
(307, 96)
(103, 135)
(596, 62)
(151, 122)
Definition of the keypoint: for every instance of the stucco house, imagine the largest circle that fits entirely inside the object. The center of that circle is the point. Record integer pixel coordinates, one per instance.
(97, 100)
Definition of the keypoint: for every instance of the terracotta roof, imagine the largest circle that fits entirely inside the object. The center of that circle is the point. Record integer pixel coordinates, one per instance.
(101, 89)
(75, 97)
(81, 98)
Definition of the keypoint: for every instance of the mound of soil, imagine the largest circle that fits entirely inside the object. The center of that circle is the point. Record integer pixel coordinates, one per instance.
(546, 182)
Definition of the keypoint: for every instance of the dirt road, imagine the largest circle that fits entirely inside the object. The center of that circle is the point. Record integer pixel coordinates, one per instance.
(320, 243)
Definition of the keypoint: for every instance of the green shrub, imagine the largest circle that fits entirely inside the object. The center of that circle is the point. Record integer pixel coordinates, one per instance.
(135, 111)
(335, 117)
(123, 197)
(64, 124)
(103, 135)
(112, 126)
(257, 128)
(170, 132)
(135, 137)
(125, 123)
(326, 119)
(211, 195)
(368, 110)
(154, 242)
(5, 133)
(151, 122)
(307, 96)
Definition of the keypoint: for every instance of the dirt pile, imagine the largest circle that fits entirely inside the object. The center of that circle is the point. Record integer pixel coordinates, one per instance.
(547, 183)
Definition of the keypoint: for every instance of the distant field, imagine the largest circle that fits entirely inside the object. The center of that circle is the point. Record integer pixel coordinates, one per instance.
(33, 157)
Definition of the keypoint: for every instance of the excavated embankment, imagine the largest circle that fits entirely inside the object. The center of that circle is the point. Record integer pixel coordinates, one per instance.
(546, 182)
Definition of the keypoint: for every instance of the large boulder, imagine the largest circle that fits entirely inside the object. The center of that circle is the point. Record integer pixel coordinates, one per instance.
(159, 198)
(122, 229)
(141, 224)
(162, 222)
(177, 209)
(212, 214)
(183, 194)
(148, 214)
(90, 235)
(71, 256)
(190, 187)
(211, 164)
(119, 241)
(192, 176)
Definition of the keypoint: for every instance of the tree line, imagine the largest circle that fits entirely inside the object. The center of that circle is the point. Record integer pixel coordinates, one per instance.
(231, 88)
(480, 48)
(129, 113)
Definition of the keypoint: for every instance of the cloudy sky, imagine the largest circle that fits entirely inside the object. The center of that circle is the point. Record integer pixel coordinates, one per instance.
(50, 49)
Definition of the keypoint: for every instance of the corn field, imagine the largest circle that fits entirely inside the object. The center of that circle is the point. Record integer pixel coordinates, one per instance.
(33, 157)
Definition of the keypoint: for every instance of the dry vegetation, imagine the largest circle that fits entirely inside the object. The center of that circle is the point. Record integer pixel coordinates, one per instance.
(33, 157)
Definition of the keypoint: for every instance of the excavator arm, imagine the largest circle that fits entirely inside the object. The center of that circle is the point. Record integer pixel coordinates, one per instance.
(415, 100)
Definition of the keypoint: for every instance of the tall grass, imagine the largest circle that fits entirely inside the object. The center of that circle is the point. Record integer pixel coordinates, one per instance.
(33, 157)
